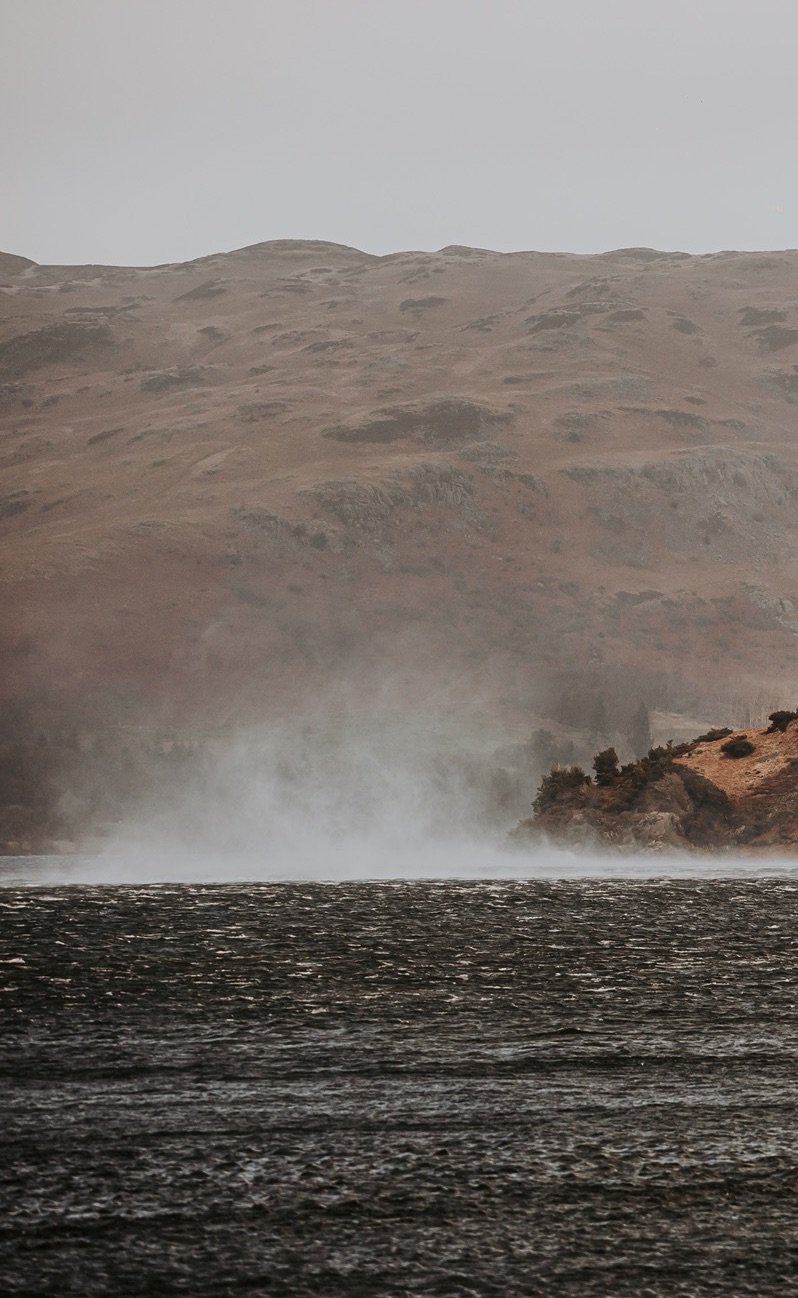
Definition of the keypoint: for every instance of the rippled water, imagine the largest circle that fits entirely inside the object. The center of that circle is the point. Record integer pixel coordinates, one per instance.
(573, 1087)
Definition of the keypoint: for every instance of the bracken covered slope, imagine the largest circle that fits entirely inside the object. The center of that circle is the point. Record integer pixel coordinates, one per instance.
(562, 476)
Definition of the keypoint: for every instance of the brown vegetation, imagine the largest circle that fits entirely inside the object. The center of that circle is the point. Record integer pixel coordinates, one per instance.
(681, 796)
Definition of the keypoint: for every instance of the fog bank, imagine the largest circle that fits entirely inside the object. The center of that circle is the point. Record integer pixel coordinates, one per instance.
(330, 801)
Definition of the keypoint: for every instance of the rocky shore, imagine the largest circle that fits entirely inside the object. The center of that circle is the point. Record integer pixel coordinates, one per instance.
(727, 789)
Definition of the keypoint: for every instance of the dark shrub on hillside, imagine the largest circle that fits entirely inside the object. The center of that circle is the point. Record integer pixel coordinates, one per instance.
(709, 738)
(658, 760)
(779, 721)
(605, 764)
(562, 785)
(738, 747)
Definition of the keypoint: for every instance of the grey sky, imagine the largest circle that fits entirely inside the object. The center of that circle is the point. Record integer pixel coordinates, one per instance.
(139, 131)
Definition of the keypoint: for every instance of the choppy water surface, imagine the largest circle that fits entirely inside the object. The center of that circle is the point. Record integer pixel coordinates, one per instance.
(572, 1088)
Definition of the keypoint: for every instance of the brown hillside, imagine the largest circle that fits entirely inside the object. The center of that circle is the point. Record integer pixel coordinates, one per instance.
(741, 779)
(561, 476)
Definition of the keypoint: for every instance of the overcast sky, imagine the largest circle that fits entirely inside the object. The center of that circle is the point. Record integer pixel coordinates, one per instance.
(143, 131)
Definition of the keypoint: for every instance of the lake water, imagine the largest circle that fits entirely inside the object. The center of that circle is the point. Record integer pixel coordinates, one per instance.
(544, 1086)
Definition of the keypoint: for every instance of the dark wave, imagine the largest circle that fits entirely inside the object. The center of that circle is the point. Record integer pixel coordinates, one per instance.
(560, 1088)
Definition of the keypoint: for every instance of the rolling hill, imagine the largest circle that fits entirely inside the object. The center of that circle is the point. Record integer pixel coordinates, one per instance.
(528, 489)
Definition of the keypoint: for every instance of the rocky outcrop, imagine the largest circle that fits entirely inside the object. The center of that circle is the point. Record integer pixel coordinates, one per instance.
(724, 790)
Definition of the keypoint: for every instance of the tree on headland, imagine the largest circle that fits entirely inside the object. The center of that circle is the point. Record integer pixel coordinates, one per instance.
(779, 721)
(562, 786)
(605, 764)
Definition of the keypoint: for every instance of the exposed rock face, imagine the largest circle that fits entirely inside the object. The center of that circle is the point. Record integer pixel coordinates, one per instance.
(724, 790)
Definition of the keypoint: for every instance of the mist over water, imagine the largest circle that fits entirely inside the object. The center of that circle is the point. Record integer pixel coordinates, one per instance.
(133, 864)
(323, 801)
(374, 799)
